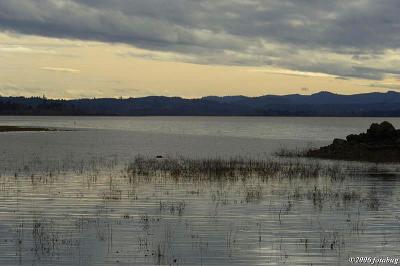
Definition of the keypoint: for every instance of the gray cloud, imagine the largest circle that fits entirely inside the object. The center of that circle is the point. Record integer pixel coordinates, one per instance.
(343, 38)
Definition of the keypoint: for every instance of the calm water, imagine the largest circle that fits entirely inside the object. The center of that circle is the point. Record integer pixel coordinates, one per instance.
(66, 197)
(277, 128)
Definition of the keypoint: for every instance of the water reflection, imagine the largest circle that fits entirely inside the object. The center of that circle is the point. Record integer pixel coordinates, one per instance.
(98, 213)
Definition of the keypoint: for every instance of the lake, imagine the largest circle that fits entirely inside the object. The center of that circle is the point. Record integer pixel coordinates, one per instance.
(68, 197)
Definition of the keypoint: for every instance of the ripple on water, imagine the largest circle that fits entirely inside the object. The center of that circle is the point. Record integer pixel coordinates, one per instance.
(99, 216)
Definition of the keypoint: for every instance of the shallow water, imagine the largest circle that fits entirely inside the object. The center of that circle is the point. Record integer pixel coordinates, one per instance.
(67, 199)
(100, 216)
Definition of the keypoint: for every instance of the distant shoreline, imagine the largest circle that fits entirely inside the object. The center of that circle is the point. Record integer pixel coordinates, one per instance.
(322, 104)
(24, 129)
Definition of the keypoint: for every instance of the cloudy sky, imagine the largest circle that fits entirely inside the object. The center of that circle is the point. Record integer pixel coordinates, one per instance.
(192, 48)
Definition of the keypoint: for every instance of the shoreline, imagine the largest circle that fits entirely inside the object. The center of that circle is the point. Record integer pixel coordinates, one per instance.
(24, 129)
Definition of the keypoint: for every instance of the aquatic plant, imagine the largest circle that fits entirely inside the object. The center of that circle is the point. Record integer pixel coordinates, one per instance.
(231, 169)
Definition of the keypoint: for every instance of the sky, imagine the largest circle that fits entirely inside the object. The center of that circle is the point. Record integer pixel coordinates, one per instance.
(193, 48)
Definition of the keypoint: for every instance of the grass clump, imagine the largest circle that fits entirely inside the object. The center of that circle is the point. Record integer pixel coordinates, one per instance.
(291, 153)
(214, 169)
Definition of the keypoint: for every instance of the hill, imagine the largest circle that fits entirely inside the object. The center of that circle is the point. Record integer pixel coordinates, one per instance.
(318, 104)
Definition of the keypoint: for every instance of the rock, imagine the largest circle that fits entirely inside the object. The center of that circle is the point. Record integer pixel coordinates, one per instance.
(339, 142)
(353, 138)
(380, 132)
(381, 143)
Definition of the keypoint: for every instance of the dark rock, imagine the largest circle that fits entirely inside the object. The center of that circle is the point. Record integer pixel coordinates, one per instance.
(339, 142)
(354, 139)
(381, 132)
(381, 143)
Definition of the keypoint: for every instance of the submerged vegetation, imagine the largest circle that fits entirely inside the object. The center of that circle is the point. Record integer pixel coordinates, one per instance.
(194, 211)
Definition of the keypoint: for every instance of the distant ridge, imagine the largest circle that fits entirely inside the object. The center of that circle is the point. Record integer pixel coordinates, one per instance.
(319, 104)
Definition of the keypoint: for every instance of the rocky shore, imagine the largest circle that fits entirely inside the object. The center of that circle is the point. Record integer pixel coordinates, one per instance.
(381, 143)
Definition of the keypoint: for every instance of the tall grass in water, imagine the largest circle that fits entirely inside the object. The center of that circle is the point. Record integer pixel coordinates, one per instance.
(297, 152)
(214, 169)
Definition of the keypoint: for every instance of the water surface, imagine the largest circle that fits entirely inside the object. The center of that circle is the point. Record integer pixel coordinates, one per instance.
(67, 199)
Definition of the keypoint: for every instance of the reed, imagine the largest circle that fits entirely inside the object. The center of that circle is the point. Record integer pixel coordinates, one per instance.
(231, 169)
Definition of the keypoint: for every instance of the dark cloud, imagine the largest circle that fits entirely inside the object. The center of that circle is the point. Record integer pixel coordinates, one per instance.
(332, 37)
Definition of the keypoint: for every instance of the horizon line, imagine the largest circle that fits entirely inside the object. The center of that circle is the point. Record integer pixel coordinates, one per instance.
(196, 98)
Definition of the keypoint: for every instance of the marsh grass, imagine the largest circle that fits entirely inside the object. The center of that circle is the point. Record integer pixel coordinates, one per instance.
(50, 167)
(232, 169)
(296, 152)
(276, 191)
(253, 194)
(174, 208)
(49, 241)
